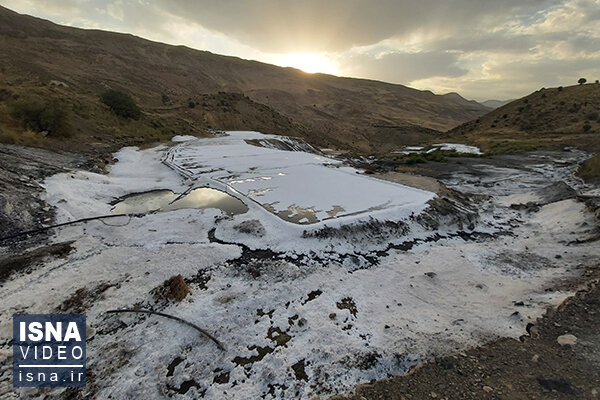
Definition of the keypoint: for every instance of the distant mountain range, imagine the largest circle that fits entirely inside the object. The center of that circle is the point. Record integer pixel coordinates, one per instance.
(182, 90)
(495, 103)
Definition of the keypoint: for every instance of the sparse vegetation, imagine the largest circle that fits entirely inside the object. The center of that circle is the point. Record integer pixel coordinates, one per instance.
(581, 81)
(566, 116)
(121, 104)
(510, 146)
(438, 156)
(589, 170)
(414, 158)
(5, 94)
(49, 117)
(163, 80)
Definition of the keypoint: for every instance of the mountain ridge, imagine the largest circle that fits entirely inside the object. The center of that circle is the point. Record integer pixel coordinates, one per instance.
(549, 117)
(493, 104)
(328, 110)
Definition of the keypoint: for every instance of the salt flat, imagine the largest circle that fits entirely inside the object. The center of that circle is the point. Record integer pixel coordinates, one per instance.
(287, 181)
(302, 309)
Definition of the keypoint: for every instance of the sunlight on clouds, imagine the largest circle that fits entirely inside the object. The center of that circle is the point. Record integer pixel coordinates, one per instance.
(572, 16)
(46, 7)
(307, 62)
(565, 18)
(485, 49)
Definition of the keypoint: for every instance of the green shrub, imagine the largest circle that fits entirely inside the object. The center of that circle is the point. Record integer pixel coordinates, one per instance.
(51, 117)
(121, 104)
(437, 155)
(415, 158)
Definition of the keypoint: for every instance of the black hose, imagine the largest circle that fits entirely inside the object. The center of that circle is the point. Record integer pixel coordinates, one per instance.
(45, 228)
(183, 321)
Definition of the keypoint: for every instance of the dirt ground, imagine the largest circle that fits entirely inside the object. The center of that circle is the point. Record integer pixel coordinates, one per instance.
(418, 181)
(534, 367)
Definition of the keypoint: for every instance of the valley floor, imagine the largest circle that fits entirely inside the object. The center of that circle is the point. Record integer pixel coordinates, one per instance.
(329, 278)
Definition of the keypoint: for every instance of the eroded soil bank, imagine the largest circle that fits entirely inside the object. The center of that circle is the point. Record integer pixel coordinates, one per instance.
(22, 169)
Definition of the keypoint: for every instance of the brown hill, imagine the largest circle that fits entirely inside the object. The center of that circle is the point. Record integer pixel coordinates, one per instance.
(164, 79)
(546, 118)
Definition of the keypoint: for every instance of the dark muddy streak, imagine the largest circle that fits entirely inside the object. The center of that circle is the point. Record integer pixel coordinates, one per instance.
(28, 260)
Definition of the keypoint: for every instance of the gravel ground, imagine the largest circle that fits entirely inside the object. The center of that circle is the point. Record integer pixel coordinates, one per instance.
(537, 366)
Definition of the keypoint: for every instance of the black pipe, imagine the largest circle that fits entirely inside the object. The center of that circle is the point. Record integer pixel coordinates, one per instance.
(183, 321)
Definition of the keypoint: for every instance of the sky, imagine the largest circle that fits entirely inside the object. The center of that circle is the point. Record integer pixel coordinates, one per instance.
(482, 49)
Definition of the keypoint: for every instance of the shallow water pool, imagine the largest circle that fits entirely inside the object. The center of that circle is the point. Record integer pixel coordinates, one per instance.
(167, 200)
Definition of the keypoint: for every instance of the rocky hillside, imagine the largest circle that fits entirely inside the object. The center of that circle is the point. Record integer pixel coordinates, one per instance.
(184, 90)
(549, 117)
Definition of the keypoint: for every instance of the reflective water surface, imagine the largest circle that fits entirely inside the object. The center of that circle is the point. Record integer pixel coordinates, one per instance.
(166, 200)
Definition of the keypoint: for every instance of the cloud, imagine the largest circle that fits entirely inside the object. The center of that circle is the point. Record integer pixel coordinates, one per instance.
(338, 25)
(115, 10)
(50, 7)
(401, 67)
(505, 78)
(476, 41)
(482, 49)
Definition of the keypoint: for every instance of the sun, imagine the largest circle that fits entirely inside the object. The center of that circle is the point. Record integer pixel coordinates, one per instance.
(308, 62)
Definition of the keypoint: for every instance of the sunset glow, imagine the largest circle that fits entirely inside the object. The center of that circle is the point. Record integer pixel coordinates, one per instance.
(402, 42)
(308, 62)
